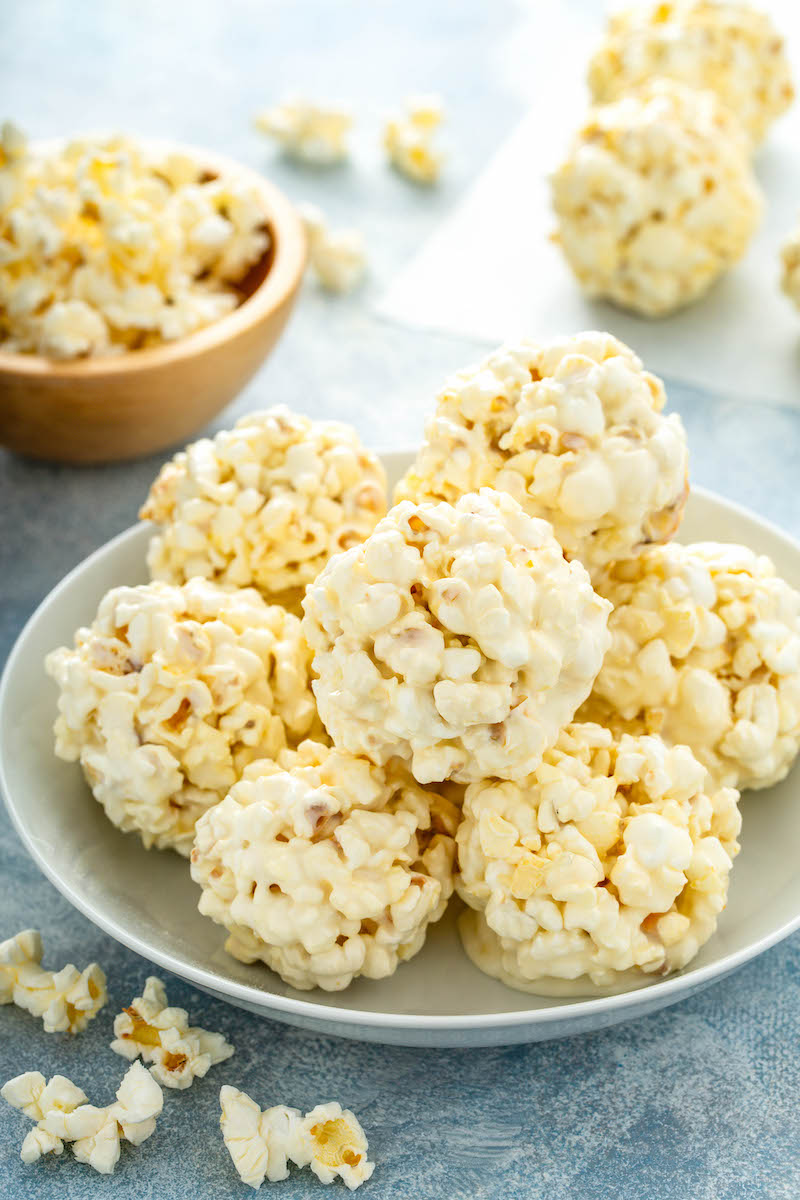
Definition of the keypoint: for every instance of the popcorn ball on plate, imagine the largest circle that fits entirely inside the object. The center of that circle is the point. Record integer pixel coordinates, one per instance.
(573, 430)
(265, 503)
(170, 693)
(705, 650)
(607, 865)
(456, 637)
(328, 869)
(656, 198)
(731, 49)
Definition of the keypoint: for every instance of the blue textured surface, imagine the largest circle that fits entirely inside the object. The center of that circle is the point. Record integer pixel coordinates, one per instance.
(696, 1103)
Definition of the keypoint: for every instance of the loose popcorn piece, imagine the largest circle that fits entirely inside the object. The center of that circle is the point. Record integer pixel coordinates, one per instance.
(171, 692)
(705, 650)
(326, 867)
(107, 247)
(573, 430)
(162, 1036)
(609, 863)
(310, 132)
(338, 258)
(730, 48)
(132, 1119)
(66, 1000)
(456, 637)
(329, 1139)
(656, 198)
(408, 139)
(265, 503)
(790, 262)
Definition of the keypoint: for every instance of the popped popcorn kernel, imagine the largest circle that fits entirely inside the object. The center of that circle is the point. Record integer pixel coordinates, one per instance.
(308, 131)
(336, 1145)
(66, 1000)
(409, 139)
(790, 267)
(337, 257)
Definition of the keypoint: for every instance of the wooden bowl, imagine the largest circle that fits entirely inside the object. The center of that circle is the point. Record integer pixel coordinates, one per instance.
(108, 409)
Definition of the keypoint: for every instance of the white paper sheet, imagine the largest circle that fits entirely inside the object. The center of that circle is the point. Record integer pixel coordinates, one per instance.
(490, 272)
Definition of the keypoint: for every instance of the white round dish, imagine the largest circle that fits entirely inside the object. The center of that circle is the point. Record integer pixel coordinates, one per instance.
(147, 900)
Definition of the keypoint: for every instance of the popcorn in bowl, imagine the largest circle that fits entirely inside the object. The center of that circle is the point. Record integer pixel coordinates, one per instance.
(728, 47)
(656, 197)
(326, 867)
(456, 637)
(168, 695)
(573, 430)
(607, 865)
(108, 246)
(265, 503)
(705, 650)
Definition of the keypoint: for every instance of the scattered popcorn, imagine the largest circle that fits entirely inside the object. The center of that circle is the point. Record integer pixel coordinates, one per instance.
(730, 48)
(573, 430)
(66, 1000)
(180, 1053)
(408, 139)
(107, 247)
(607, 865)
(656, 198)
(338, 258)
(329, 1139)
(171, 692)
(790, 261)
(264, 504)
(705, 651)
(326, 867)
(307, 131)
(456, 637)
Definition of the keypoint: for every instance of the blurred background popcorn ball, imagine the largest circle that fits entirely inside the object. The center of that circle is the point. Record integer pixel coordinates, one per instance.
(326, 867)
(656, 197)
(169, 694)
(730, 48)
(705, 650)
(264, 504)
(456, 637)
(573, 430)
(609, 864)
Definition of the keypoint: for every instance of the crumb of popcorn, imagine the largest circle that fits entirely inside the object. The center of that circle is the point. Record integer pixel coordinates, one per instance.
(730, 48)
(106, 246)
(656, 198)
(161, 1035)
(610, 862)
(264, 504)
(409, 139)
(338, 257)
(790, 267)
(705, 650)
(66, 1000)
(456, 637)
(169, 694)
(572, 429)
(308, 131)
(326, 867)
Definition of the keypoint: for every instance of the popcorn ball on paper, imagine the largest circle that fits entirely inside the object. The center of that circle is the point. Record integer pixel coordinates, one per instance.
(326, 868)
(656, 198)
(338, 257)
(409, 139)
(608, 864)
(66, 1000)
(457, 637)
(705, 650)
(730, 48)
(573, 429)
(264, 504)
(307, 131)
(168, 695)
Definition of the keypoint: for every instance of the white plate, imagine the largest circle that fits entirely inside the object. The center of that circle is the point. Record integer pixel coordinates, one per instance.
(147, 900)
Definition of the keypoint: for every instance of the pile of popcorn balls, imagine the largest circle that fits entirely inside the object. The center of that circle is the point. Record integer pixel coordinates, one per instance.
(657, 196)
(512, 686)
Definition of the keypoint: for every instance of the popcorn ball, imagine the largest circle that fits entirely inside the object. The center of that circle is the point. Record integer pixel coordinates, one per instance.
(313, 133)
(106, 246)
(705, 650)
(607, 865)
(730, 48)
(66, 1000)
(337, 257)
(265, 503)
(409, 139)
(327, 867)
(573, 430)
(169, 694)
(656, 198)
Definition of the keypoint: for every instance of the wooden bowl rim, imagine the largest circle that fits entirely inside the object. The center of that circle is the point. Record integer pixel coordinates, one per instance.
(285, 272)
